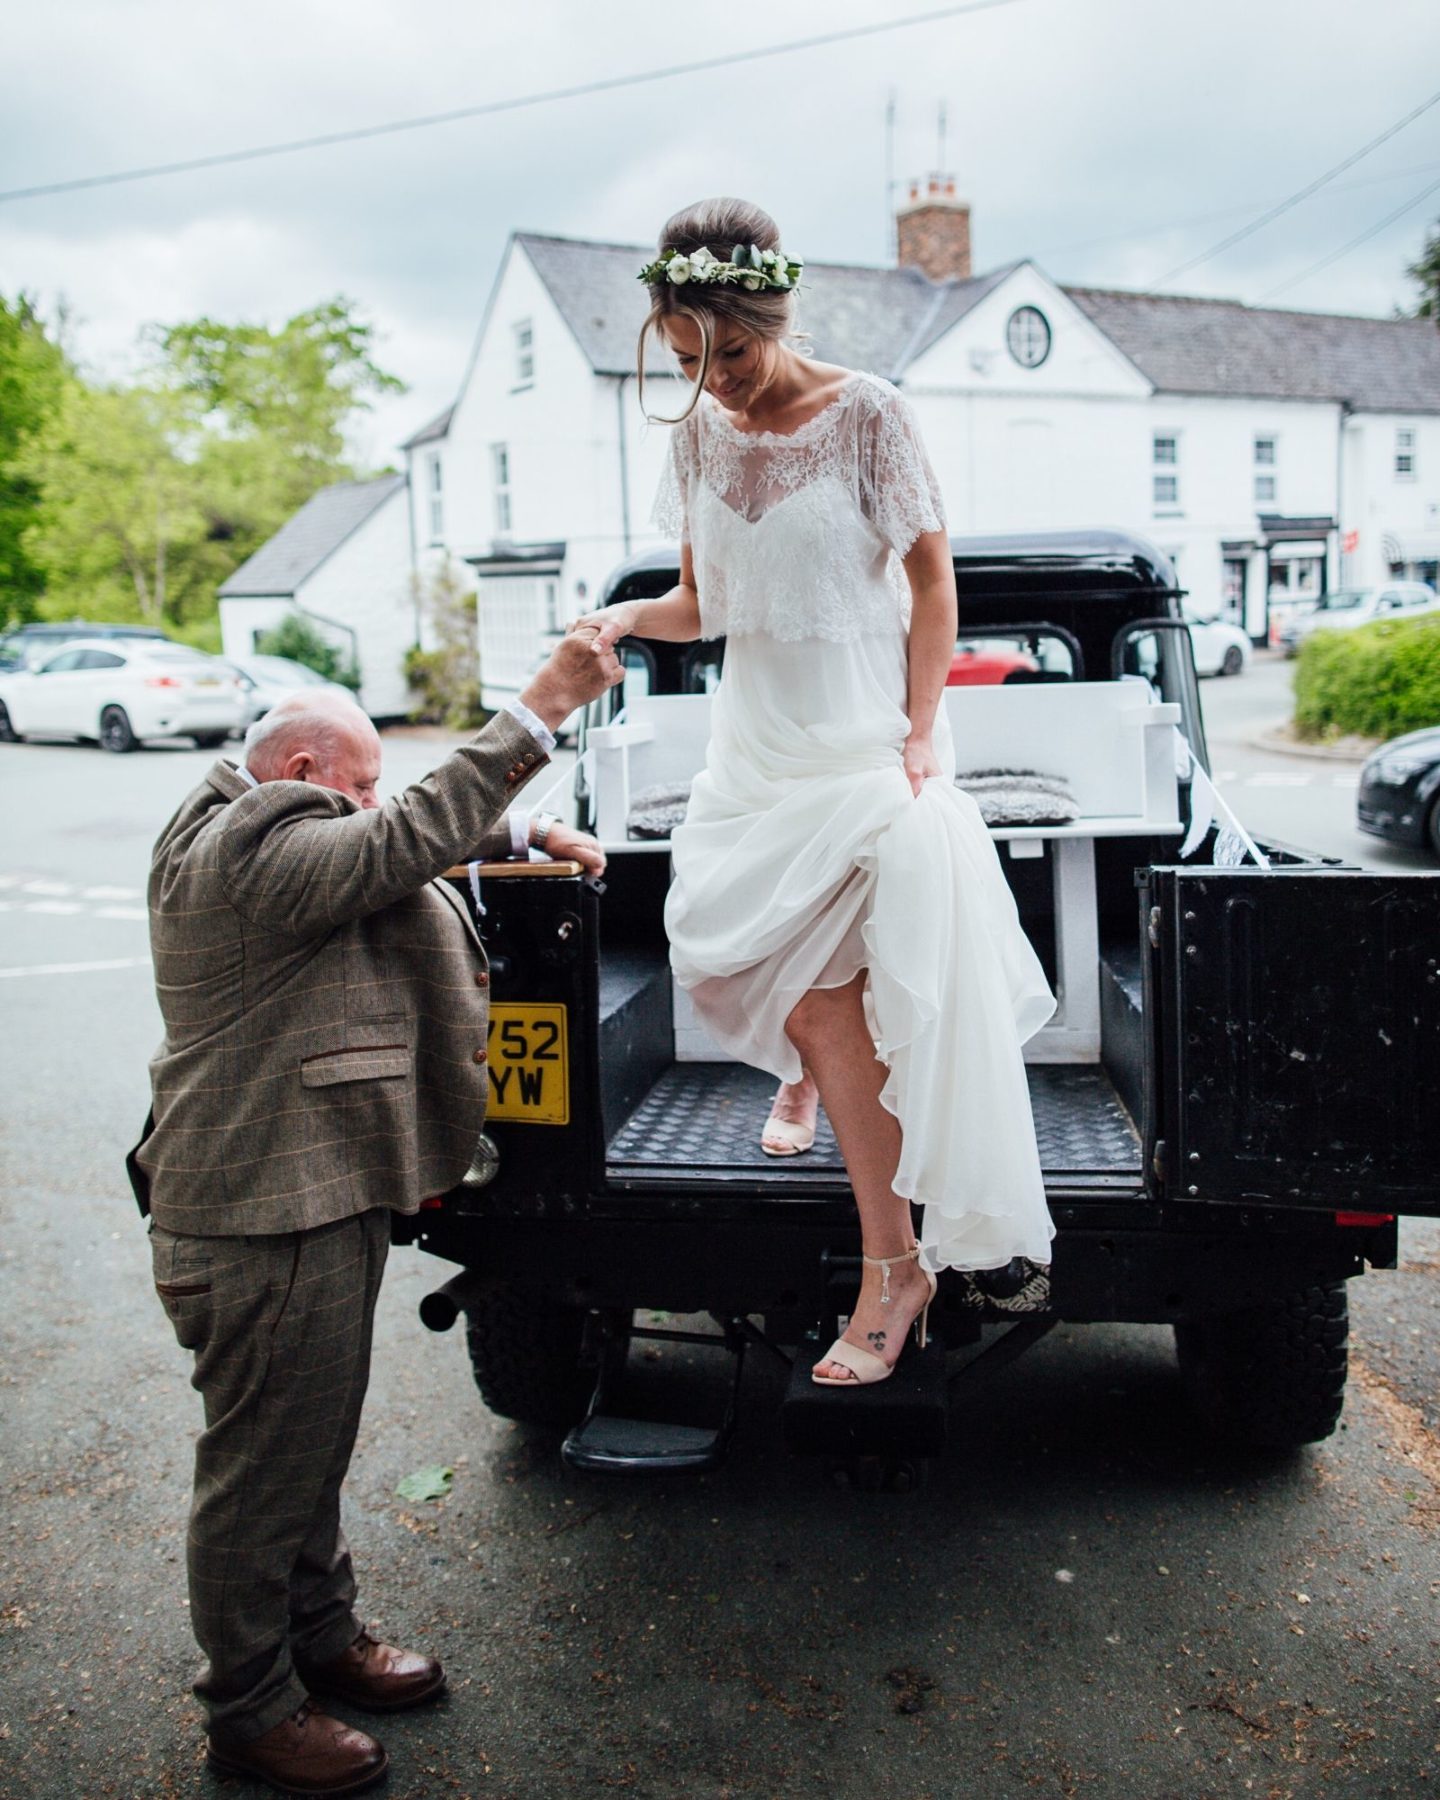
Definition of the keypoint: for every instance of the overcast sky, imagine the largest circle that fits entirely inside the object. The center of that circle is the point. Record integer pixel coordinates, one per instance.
(1109, 140)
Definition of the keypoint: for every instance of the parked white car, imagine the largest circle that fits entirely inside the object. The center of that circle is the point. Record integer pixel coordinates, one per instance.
(1220, 647)
(117, 692)
(1349, 607)
(272, 679)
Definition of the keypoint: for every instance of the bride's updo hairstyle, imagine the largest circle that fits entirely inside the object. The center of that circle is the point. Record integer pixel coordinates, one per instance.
(763, 313)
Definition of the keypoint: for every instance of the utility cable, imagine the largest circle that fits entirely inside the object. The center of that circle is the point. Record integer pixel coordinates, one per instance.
(1142, 234)
(1354, 244)
(1294, 199)
(608, 84)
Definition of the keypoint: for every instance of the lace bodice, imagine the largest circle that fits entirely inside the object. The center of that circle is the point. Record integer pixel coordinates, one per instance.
(800, 534)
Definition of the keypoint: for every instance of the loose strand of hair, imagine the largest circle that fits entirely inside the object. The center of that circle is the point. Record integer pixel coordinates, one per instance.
(707, 345)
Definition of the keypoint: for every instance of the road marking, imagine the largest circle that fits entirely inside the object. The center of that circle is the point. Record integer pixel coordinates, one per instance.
(54, 906)
(46, 887)
(1351, 780)
(121, 912)
(9, 881)
(1278, 778)
(80, 968)
(109, 893)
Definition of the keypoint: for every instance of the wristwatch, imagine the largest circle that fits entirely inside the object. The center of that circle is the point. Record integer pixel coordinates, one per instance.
(540, 828)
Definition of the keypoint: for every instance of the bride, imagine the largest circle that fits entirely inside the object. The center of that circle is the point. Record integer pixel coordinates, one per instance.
(838, 912)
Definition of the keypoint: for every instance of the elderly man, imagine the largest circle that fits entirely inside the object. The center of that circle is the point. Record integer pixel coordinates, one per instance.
(323, 1065)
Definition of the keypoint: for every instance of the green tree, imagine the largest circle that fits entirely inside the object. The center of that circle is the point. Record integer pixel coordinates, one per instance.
(1427, 273)
(296, 638)
(446, 680)
(119, 509)
(290, 392)
(32, 376)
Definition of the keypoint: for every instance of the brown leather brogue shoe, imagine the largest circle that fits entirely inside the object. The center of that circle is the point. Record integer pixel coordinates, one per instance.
(375, 1677)
(308, 1753)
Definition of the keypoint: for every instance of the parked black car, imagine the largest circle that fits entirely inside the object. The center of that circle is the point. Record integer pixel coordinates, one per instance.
(25, 646)
(1399, 796)
(1230, 1116)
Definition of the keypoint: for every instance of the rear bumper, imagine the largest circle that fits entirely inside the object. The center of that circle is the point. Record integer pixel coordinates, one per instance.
(1137, 1263)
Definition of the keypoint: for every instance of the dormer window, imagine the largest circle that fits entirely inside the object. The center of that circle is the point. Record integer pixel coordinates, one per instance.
(524, 353)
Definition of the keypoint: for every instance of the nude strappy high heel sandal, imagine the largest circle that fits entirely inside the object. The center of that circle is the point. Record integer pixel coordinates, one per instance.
(787, 1137)
(864, 1365)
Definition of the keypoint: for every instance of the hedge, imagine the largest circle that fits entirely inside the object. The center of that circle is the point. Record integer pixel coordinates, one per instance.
(1376, 681)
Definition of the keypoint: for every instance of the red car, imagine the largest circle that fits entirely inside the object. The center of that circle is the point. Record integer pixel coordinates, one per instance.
(986, 667)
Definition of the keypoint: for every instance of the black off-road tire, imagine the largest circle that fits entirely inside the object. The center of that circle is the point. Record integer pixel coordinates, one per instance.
(116, 732)
(1233, 660)
(1271, 1377)
(525, 1356)
(8, 733)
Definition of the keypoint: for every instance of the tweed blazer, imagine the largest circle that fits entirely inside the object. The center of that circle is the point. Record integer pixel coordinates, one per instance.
(324, 996)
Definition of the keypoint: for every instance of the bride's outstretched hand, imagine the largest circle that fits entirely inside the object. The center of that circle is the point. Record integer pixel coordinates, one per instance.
(920, 761)
(606, 627)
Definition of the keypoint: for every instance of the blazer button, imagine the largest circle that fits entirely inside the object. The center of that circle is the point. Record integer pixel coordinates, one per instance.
(480, 1056)
(482, 979)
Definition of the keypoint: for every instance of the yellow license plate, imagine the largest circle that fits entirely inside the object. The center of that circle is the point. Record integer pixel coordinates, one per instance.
(529, 1064)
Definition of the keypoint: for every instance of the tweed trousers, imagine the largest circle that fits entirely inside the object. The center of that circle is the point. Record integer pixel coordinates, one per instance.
(281, 1328)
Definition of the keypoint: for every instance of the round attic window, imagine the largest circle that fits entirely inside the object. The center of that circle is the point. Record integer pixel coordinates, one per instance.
(1027, 336)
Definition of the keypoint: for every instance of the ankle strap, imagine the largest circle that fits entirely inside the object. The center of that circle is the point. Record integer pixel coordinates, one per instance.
(883, 1262)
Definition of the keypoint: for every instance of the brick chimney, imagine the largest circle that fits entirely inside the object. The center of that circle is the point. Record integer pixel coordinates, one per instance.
(933, 230)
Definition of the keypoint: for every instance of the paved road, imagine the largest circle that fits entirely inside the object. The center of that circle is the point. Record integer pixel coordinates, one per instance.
(1086, 1600)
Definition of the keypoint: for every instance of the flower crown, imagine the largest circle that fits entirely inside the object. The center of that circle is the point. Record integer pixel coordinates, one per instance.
(748, 267)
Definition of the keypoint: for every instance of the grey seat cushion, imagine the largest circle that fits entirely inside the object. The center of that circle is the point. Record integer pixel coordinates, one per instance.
(1019, 796)
(656, 811)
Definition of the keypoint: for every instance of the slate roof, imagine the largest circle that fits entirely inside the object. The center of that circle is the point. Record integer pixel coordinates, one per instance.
(1189, 346)
(883, 319)
(314, 533)
(429, 434)
(865, 318)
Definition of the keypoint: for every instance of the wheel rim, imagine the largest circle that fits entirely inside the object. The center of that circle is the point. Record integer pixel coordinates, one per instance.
(1233, 661)
(114, 730)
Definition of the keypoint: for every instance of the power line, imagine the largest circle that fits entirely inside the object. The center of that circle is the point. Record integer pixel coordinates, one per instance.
(608, 84)
(1354, 244)
(1294, 199)
(1133, 236)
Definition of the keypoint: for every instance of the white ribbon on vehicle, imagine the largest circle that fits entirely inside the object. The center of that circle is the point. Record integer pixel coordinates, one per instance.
(473, 870)
(1232, 842)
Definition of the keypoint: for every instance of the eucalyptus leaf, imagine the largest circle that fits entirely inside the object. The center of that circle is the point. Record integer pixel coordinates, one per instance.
(432, 1483)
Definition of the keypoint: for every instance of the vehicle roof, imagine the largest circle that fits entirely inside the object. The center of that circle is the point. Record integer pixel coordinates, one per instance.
(87, 628)
(1014, 562)
(145, 646)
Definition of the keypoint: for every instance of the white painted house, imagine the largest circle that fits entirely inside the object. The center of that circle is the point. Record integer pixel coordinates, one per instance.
(1272, 454)
(345, 563)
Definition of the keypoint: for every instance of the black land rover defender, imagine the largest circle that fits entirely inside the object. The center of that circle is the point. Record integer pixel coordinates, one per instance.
(1236, 1099)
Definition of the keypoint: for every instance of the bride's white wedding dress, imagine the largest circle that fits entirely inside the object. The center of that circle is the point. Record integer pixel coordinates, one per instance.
(804, 856)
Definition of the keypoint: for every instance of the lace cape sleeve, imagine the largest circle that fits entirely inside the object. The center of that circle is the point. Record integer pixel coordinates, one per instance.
(898, 490)
(671, 512)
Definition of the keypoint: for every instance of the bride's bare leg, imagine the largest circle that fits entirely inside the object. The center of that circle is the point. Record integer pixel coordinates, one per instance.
(828, 1029)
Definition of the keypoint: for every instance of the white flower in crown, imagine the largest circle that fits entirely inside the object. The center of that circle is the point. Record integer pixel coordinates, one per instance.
(678, 269)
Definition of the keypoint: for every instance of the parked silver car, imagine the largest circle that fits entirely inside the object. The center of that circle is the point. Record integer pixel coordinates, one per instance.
(271, 679)
(1349, 607)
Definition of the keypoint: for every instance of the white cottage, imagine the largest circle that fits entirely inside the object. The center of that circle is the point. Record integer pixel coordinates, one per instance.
(1273, 454)
(344, 562)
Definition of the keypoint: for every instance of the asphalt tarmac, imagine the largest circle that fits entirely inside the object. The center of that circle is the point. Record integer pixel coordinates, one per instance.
(1085, 1599)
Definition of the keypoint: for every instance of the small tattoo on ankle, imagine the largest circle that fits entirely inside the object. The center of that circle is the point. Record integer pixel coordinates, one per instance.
(877, 1338)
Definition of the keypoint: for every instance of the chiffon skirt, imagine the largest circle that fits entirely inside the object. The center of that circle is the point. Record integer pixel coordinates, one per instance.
(805, 858)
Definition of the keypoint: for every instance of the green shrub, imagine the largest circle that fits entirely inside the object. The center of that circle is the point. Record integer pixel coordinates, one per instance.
(298, 639)
(446, 689)
(1376, 681)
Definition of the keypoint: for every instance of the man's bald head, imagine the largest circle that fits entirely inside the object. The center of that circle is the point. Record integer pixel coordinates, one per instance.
(322, 738)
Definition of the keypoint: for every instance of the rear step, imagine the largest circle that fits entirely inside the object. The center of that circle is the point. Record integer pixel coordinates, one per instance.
(902, 1416)
(605, 1442)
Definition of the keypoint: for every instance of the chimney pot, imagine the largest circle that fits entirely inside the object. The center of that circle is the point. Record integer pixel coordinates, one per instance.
(933, 233)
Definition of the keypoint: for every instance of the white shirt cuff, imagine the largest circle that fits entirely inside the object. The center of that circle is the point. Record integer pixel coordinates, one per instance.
(519, 832)
(245, 775)
(536, 726)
